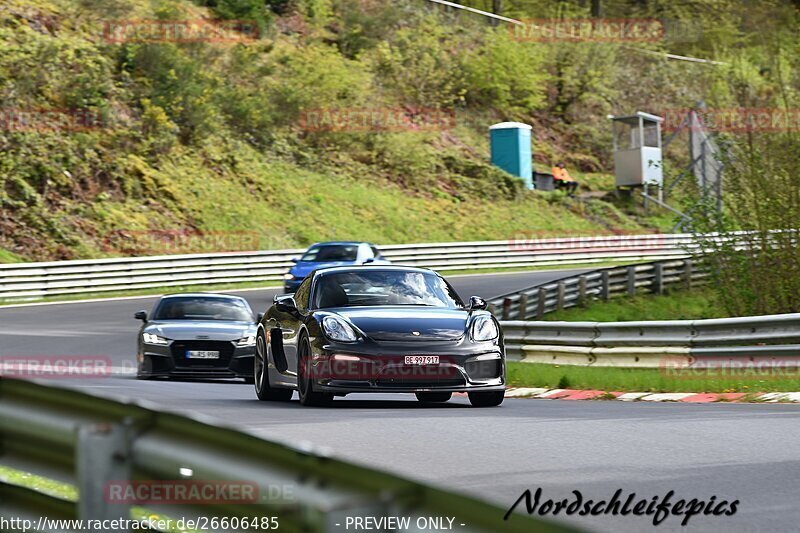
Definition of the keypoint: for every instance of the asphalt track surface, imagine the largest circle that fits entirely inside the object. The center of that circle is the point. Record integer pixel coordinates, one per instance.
(745, 452)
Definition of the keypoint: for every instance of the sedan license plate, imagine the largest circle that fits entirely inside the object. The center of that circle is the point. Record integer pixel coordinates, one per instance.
(422, 359)
(201, 354)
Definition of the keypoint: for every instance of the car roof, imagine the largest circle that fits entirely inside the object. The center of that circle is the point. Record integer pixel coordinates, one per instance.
(338, 243)
(203, 294)
(362, 268)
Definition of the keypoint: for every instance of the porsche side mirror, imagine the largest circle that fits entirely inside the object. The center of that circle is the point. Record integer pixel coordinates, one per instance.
(477, 303)
(369, 260)
(140, 315)
(294, 259)
(259, 318)
(286, 303)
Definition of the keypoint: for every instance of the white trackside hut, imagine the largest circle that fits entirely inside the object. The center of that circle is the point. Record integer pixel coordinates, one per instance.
(637, 150)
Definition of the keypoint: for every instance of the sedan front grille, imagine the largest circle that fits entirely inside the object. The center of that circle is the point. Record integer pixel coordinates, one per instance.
(179, 349)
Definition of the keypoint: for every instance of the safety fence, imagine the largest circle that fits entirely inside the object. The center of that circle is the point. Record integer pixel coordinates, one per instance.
(652, 344)
(653, 277)
(31, 280)
(103, 447)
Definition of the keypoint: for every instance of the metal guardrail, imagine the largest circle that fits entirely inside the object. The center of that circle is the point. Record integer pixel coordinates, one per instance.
(89, 441)
(25, 280)
(654, 277)
(637, 344)
(646, 344)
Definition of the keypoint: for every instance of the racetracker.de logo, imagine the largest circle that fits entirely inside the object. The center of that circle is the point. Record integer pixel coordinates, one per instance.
(50, 120)
(395, 368)
(588, 30)
(734, 120)
(180, 31)
(180, 241)
(55, 366)
(376, 119)
(530, 242)
(181, 491)
(718, 367)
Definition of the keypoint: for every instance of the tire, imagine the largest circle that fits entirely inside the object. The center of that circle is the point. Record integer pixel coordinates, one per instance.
(486, 399)
(434, 397)
(305, 385)
(260, 378)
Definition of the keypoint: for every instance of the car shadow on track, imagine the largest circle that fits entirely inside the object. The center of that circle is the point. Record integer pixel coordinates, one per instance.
(343, 404)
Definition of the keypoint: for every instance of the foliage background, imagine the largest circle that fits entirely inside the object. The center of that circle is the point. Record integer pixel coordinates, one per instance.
(207, 136)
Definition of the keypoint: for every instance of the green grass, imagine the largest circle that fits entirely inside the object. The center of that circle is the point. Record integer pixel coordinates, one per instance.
(57, 489)
(8, 257)
(637, 380)
(677, 305)
(68, 492)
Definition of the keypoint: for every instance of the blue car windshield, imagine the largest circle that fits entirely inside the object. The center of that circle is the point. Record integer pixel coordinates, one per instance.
(202, 308)
(331, 252)
(384, 287)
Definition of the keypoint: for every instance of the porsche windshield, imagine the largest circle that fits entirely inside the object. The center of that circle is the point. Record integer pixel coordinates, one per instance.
(384, 287)
(201, 308)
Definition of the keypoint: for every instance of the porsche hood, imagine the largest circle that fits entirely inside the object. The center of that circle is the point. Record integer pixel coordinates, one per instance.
(403, 324)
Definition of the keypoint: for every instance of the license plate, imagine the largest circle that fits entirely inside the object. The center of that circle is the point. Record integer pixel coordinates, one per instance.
(201, 354)
(422, 359)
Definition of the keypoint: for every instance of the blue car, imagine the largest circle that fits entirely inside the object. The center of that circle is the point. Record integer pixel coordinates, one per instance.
(330, 254)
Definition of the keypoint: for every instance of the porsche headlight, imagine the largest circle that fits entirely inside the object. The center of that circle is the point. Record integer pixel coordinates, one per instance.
(151, 338)
(336, 329)
(288, 276)
(250, 340)
(484, 329)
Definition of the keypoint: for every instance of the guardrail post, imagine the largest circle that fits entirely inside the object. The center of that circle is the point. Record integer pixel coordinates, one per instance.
(631, 279)
(102, 455)
(560, 296)
(605, 290)
(582, 291)
(506, 308)
(658, 278)
(687, 273)
(540, 303)
(522, 311)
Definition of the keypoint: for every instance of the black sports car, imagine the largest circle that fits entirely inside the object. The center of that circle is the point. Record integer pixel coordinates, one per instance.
(197, 335)
(378, 329)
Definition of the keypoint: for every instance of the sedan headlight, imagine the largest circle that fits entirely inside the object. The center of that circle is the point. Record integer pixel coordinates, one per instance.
(484, 329)
(250, 340)
(288, 276)
(336, 329)
(151, 338)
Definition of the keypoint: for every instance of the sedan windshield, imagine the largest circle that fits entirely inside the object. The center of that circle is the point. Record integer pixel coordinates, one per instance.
(384, 287)
(331, 252)
(201, 308)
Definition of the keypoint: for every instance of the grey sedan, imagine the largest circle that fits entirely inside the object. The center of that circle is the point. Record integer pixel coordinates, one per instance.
(197, 335)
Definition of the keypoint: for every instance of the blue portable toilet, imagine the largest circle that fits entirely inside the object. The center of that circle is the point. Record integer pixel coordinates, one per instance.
(511, 149)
